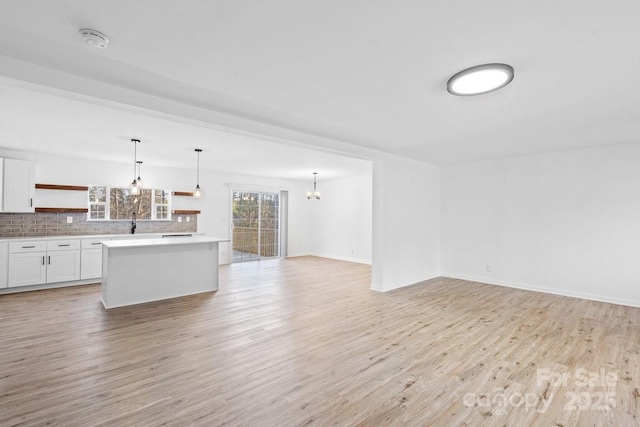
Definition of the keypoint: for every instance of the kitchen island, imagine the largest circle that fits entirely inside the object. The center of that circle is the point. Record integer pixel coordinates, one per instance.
(144, 270)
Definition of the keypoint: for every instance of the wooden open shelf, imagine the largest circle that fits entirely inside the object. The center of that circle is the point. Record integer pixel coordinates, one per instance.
(61, 187)
(62, 210)
(185, 212)
(182, 193)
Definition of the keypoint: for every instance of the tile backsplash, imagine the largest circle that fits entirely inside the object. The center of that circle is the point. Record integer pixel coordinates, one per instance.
(55, 224)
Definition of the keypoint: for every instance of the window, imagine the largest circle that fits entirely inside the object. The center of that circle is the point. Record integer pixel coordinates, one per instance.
(122, 204)
(161, 204)
(97, 203)
(150, 204)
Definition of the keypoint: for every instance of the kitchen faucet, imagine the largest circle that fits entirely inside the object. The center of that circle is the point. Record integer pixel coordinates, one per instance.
(133, 223)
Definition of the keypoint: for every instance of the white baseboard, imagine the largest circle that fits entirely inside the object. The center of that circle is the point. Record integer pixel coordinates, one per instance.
(337, 258)
(378, 288)
(553, 291)
(44, 286)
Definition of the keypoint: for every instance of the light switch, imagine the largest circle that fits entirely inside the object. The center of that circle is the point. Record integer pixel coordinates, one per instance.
(69, 220)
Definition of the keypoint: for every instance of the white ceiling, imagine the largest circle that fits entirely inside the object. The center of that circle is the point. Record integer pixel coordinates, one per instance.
(364, 72)
(40, 122)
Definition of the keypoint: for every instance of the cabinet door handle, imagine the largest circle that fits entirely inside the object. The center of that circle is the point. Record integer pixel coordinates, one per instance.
(28, 247)
(31, 202)
(49, 260)
(68, 244)
(42, 259)
(97, 243)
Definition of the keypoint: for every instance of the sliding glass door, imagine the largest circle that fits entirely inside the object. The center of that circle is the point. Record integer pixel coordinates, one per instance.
(256, 225)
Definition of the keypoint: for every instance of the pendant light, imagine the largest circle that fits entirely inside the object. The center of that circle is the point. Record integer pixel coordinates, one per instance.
(316, 193)
(134, 187)
(197, 192)
(138, 179)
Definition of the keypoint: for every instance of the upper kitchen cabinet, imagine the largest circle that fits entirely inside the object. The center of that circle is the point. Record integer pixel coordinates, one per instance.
(17, 183)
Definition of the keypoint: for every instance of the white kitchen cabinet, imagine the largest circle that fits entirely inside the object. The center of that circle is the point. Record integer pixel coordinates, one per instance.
(91, 259)
(27, 263)
(27, 268)
(63, 260)
(39, 261)
(63, 266)
(91, 264)
(4, 264)
(54, 260)
(18, 185)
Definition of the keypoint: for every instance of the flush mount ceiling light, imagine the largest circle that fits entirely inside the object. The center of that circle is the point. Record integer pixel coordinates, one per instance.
(480, 79)
(94, 38)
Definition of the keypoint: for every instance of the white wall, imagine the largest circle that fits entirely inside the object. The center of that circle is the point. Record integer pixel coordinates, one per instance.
(215, 204)
(341, 219)
(406, 222)
(565, 222)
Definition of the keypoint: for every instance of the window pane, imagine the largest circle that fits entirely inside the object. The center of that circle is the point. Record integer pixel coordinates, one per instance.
(97, 194)
(97, 211)
(161, 197)
(161, 212)
(123, 204)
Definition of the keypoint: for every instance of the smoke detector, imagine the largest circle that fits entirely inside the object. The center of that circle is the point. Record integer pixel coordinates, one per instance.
(94, 38)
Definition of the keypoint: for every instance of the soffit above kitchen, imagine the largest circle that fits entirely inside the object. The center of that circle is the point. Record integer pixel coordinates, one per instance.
(368, 74)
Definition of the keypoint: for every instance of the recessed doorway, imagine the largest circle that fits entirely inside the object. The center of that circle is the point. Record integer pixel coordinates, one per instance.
(256, 225)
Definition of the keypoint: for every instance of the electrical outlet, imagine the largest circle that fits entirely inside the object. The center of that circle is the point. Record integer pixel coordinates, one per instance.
(188, 219)
(489, 268)
(69, 220)
(179, 219)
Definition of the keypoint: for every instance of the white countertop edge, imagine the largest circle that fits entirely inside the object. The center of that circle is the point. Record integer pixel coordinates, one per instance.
(98, 236)
(170, 241)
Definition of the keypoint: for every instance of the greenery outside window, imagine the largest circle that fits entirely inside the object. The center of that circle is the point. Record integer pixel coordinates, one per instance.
(150, 204)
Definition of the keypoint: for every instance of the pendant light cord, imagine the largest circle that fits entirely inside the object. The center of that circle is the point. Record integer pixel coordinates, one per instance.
(135, 157)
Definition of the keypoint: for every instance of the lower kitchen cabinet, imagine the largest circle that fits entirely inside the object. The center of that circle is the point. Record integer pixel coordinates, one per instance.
(29, 264)
(63, 259)
(27, 268)
(63, 266)
(91, 264)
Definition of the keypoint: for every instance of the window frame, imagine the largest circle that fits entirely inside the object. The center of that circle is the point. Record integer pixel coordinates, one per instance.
(106, 204)
(107, 213)
(154, 205)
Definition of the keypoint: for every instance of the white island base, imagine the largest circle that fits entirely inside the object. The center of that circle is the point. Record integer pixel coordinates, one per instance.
(144, 270)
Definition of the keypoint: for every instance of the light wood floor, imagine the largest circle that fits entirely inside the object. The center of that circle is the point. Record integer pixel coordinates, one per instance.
(304, 341)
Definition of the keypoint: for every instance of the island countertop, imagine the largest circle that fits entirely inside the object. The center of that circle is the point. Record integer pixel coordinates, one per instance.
(136, 271)
(169, 241)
